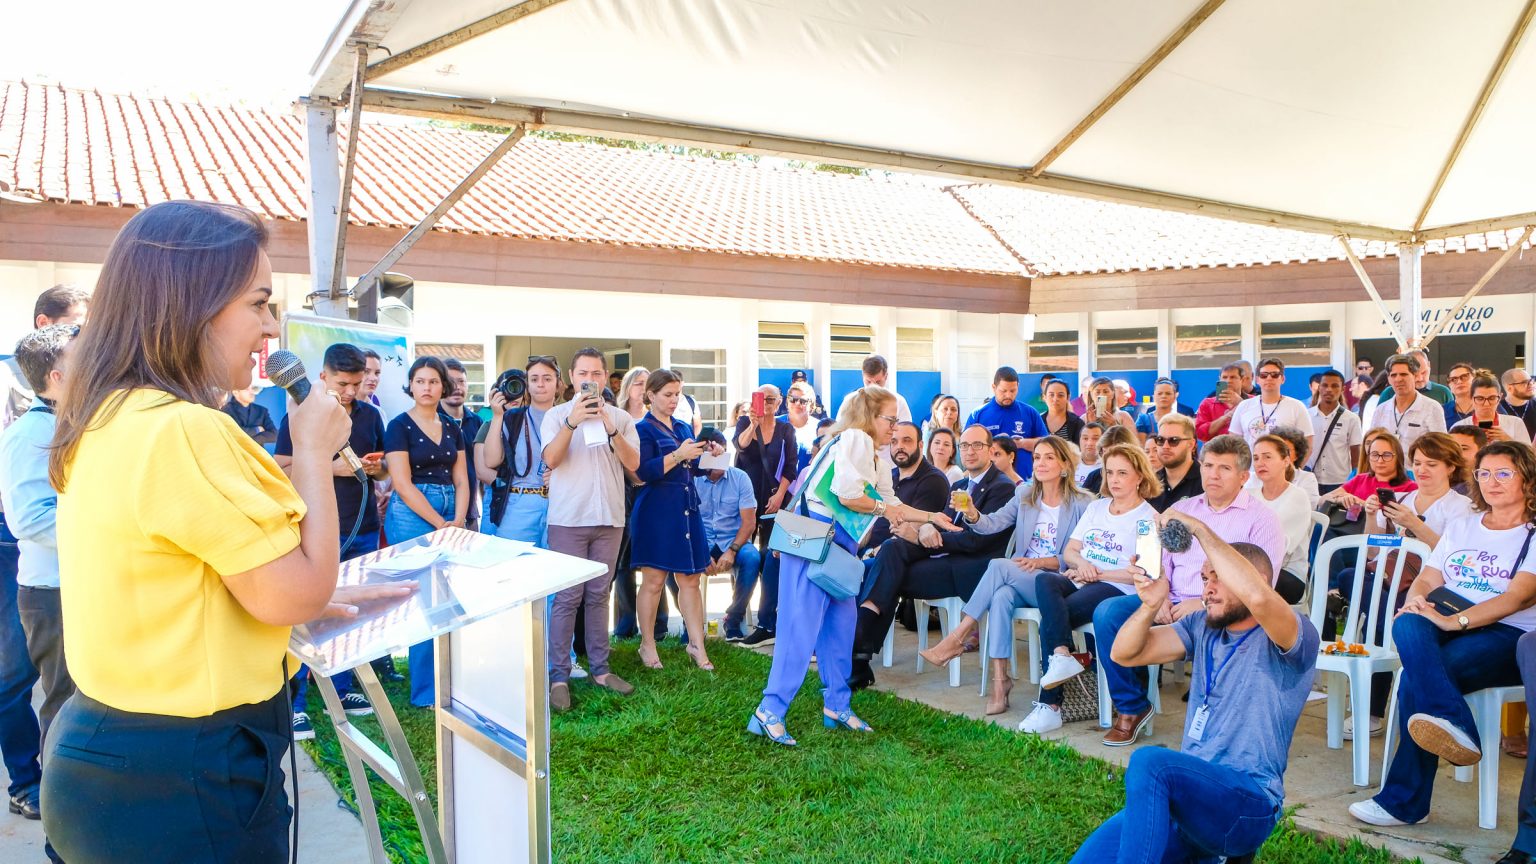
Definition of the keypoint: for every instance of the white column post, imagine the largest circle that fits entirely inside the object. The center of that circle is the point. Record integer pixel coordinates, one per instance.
(324, 207)
(1165, 343)
(1410, 290)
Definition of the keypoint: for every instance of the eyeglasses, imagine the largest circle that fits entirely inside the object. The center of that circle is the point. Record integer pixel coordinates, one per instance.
(1271, 374)
(1503, 475)
(974, 445)
(1519, 383)
(1457, 379)
(1486, 400)
(887, 418)
(1168, 440)
(799, 400)
(1381, 457)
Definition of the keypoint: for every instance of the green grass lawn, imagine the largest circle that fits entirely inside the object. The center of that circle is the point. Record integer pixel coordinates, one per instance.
(670, 775)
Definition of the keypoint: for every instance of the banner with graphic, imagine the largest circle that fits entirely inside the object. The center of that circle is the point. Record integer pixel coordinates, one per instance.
(308, 335)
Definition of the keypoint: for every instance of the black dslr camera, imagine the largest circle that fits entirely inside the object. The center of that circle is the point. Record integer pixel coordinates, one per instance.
(512, 385)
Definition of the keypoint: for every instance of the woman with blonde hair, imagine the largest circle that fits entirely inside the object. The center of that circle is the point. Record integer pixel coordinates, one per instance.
(1042, 514)
(811, 620)
(943, 413)
(631, 395)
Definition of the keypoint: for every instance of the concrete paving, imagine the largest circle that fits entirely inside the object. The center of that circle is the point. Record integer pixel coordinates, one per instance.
(1318, 781)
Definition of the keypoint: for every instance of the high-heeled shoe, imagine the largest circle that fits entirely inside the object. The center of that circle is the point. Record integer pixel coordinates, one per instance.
(845, 720)
(651, 662)
(700, 659)
(760, 723)
(1002, 685)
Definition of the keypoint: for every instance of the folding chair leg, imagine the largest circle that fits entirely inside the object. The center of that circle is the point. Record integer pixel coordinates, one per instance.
(1360, 707)
(1332, 684)
(1034, 651)
(948, 620)
(1488, 711)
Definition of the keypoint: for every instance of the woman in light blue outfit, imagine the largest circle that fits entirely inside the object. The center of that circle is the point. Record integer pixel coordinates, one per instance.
(430, 476)
(810, 620)
(510, 459)
(1042, 514)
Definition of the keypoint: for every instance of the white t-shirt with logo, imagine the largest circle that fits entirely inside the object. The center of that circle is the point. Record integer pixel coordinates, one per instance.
(1083, 470)
(1109, 541)
(1043, 543)
(1478, 562)
(1447, 509)
(1252, 419)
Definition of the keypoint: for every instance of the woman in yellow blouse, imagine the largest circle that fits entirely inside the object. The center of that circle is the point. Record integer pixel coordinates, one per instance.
(185, 555)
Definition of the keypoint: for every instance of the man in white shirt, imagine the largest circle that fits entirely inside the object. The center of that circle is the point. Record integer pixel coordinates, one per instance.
(1408, 413)
(876, 372)
(1255, 418)
(586, 515)
(1337, 432)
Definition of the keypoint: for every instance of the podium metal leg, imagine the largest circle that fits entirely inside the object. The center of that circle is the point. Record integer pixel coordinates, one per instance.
(536, 652)
(400, 771)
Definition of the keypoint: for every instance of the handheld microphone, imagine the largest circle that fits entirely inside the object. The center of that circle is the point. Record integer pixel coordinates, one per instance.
(1176, 536)
(286, 370)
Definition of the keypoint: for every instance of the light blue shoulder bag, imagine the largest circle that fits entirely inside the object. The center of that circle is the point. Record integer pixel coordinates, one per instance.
(829, 566)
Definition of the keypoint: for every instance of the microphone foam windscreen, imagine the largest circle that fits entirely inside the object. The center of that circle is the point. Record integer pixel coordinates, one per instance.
(1175, 536)
(284, 368)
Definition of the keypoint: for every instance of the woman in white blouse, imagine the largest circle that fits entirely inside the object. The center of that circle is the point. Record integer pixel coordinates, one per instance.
(809, 618)
(1274, 473)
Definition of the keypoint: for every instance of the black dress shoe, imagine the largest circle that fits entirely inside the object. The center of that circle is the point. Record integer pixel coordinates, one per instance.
(1515, 856)
(25, 803)
(863, 675)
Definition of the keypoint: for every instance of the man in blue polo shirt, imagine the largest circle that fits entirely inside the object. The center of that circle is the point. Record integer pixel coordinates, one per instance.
(343, 370)
(1004, 416)
(729, 507)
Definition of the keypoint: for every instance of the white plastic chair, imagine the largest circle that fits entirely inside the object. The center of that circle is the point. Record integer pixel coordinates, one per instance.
(949, 615)
(1487, 710)
(1359, 626)
(1314, 542)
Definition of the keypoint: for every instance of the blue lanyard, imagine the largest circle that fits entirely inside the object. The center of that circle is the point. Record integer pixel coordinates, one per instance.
(1210, 649)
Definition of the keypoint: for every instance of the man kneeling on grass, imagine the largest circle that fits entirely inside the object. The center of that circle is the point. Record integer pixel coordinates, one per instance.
(1254, 661)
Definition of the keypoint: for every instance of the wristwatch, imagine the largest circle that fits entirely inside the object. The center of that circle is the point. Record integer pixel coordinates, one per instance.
(735, 547)
(1462, 620)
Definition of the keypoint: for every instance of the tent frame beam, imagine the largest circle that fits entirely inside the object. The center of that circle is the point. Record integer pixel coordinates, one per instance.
(1140, 73)
(337, 290)
(1370, 288)
(1478, 286)
(457, 37)
(1489, 86)
(511, 114)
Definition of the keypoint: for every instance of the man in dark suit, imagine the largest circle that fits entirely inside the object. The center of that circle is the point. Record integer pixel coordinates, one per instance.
(926, 563)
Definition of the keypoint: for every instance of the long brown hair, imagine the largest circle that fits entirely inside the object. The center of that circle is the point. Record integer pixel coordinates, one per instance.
(170, 271)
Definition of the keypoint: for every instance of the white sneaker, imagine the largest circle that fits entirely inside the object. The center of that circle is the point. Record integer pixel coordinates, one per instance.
(577, 671)
(1041, 720)
(1377, 727)
(1442, 738)
(1062, 667)
(1369, 812)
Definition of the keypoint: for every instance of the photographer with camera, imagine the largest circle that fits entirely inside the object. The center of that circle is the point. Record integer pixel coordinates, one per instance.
(586, 514)
(510, 452)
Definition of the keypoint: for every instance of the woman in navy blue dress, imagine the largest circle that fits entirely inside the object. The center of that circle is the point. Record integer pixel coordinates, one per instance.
(666, 528)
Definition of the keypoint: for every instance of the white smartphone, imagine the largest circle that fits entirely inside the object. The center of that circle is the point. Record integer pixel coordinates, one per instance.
(1149, 549)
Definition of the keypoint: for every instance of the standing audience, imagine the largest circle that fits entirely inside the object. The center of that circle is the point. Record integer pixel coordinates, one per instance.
(1005, 416)
(1337, 433)
(1058, 417)
(1405, 412)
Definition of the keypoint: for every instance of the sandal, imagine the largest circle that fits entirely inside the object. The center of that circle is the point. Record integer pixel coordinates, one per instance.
(651, 662)
(700, 659)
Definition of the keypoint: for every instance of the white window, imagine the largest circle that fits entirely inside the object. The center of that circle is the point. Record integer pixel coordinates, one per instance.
(1296, 343)
(1052, 351)
(473, 358)
(851, 343)
(1126, 348)
(1206, 346)
(703, 371)
(781, 345)
(914, 349)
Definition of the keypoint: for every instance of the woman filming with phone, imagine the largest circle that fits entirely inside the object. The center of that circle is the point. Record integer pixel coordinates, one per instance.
(1485, 414)
(1100, 405)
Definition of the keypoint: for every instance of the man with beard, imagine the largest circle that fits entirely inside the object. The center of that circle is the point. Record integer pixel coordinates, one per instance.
(925, 562)
(1175, 441)
(1254, 662)
(916, 481)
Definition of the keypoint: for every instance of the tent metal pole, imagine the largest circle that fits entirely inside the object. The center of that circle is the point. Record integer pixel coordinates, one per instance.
(336, 300)
(324, 196)
(1370, 287)
(1410, 291)
(458, 37)
(1479, 285)
(368, 283)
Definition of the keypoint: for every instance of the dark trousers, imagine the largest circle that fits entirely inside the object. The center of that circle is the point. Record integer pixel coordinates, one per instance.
(1439, 667)
(1525, 835)
(904, 569)
(768, 590)
(1064, 605)
(20, 736)
(42, 617)
(125, 788)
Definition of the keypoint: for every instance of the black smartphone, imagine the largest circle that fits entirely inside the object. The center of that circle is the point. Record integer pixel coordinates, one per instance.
(1386, 496)
(1485, 424)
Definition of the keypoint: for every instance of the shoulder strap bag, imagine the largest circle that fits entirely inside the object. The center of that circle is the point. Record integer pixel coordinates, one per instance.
(798, 534)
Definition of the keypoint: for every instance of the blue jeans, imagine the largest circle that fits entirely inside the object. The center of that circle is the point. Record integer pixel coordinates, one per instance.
(20, 735)
(401, 524)
(1168, 815)
(1127, 686)
(1439, 667)
(749, 564)
(367, 541)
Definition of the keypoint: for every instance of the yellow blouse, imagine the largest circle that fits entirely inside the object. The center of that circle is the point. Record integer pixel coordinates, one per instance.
(158, 502)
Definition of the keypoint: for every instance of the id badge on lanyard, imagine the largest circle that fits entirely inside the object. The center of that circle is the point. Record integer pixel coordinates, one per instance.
(1202, 715)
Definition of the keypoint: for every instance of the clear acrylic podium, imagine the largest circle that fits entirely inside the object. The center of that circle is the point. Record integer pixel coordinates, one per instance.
(483, 601)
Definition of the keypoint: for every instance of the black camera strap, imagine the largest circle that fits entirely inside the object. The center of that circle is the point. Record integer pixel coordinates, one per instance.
(514, 430)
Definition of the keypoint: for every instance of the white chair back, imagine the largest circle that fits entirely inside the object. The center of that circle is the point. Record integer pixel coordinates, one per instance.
(1383, 582)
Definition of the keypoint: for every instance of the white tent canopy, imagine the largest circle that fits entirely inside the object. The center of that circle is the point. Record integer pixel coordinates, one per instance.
(1399, 120)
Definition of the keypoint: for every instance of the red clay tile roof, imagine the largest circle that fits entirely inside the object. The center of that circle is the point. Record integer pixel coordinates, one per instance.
(87, 147)
(82, 146)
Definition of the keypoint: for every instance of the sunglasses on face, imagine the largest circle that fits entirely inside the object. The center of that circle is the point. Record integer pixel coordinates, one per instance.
(1168, 440)
(1269, 374)
(799, 400)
